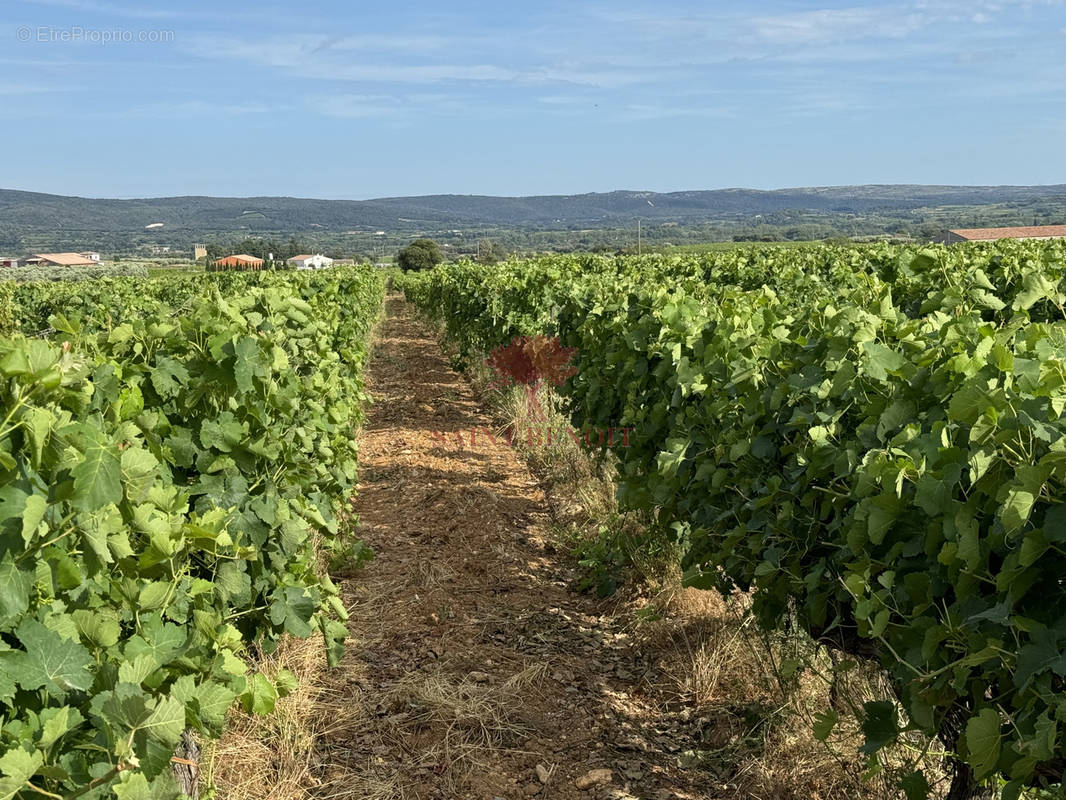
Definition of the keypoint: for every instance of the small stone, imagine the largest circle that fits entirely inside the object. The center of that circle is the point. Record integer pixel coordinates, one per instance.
(543, 773)
(531, 789)
(478, 677)
(596, 777)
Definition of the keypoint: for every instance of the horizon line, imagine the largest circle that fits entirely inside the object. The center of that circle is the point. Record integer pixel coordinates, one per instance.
(383, 198)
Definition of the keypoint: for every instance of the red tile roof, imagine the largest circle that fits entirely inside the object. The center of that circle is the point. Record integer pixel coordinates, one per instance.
(1036, 232)
(240, 258)
(301, 257)
(66, 259)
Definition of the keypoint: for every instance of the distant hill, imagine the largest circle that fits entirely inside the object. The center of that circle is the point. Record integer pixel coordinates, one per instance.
(31, 211)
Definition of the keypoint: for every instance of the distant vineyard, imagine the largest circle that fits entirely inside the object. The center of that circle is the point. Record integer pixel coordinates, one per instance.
(871, 440)
(26, 274)
(169, 449)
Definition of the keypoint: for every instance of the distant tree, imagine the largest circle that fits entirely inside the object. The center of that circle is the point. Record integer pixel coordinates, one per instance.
(490, 252)
(419, 255)
(215, 251)
(250, 247)
(291, 248)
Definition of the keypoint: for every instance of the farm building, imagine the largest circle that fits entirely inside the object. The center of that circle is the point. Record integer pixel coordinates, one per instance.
(318, 261)
(994, 234)
(58, 260)
(6, 261)
(239, 261)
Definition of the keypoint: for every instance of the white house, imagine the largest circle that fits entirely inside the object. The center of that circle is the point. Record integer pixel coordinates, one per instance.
(310, 262)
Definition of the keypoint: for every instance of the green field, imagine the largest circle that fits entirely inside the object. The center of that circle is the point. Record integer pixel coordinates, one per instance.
(171, 450)
(871, 441)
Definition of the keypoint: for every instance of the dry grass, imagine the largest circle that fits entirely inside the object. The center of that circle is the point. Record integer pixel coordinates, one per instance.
(443, 724)
(714, 667)
(758, 692)
(580, 485)
(429, 575)
(372, 783)
(468, 716)
(761, 691)
(719, 665)
(562, 462)
(272, 757)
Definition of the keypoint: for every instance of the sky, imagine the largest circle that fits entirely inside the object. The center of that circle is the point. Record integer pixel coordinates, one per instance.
(335, 99)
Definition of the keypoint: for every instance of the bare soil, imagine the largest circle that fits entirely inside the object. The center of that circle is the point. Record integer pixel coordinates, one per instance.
(474, 671)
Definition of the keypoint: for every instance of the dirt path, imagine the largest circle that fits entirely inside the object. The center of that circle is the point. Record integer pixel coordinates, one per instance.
(477, 672)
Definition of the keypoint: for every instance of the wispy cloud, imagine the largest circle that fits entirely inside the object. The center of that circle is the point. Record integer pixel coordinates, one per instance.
(12, 88)
(387, 43)
(361, 59)
(789, 34)
(400, 106)
(355, 106)
(190, 109)
(681, 60)
(110, 9)
(649, 112)
(336, 58)
(832, 25)
(185, 12)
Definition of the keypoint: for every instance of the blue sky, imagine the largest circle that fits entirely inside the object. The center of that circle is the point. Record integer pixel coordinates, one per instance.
(325, 98)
